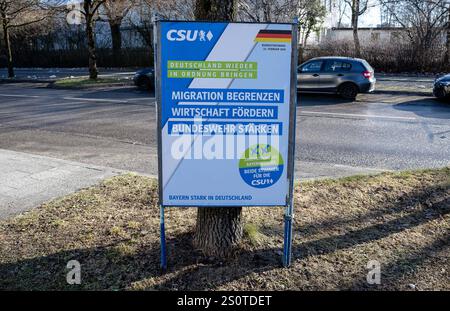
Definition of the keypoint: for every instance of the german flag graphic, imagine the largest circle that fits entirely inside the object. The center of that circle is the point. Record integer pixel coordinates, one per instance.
(274, 36)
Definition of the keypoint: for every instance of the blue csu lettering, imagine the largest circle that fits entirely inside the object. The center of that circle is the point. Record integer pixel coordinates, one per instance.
(262, 183)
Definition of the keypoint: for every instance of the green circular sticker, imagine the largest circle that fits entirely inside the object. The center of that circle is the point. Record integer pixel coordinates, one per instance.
(261, 166)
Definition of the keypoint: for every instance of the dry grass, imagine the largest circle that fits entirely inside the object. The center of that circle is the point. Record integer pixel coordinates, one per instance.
(401, 220)
(85, 82)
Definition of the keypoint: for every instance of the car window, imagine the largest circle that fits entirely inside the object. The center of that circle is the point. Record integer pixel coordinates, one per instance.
(314, 66)
(367, 65)
(337, 66)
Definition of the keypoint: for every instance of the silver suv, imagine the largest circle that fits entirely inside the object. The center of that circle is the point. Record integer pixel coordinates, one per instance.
(339, 75)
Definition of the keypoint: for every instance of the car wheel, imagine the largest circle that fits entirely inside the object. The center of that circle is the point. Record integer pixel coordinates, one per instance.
(440, 94)
(145, 83)
(348, 91)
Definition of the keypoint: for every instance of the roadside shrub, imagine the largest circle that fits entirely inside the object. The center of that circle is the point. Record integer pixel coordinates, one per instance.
(136, 57)
(393, 57)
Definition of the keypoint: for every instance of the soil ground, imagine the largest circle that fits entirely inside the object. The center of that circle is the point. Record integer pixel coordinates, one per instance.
(401, 220)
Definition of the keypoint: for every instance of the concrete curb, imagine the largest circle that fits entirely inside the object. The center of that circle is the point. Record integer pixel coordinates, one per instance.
(404, 92)
(52, 85)
(2, 80)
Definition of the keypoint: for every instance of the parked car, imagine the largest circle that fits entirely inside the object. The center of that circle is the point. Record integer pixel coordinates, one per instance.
(145, 78)
(441, 88)
(338, 75)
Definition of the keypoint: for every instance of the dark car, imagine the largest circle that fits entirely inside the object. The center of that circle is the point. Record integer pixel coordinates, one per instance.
(441, 87)
(145, 78)
(338, 75)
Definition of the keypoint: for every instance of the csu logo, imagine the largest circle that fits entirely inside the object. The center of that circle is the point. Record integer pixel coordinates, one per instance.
(189, 35)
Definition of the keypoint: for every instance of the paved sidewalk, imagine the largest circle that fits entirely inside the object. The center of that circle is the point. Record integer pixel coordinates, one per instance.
(28, 180)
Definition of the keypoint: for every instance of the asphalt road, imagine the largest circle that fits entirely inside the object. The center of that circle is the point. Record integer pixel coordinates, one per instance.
(116, 128)
(57, 73)
(51, 74)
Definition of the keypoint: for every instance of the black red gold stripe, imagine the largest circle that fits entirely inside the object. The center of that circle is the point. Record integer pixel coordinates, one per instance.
(274, 36)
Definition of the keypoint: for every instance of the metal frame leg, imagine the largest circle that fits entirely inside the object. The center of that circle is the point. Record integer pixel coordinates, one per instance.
(163, 239)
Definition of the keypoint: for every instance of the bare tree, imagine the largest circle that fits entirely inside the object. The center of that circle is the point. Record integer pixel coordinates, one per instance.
(175, 9)
(167, 9)
(358, 8)
(15, 14)
(425, 22)
(265, 10)
(447, 52)
(311, 15)
(115, 11)
(218, 230)
(341, 11)
(90, 9)
(142, 22)
(387, 16)
(216, 10)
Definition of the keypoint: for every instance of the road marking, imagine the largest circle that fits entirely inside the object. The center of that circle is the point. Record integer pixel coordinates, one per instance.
(126, 100)
(18, 95)
(142, 98)
(131, 73)
(356, 115)
(96, 99)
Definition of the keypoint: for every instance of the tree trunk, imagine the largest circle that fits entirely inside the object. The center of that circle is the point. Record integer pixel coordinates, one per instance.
(307, 34)
(447, 52)
(116, 37)
(7, 40)
(215, 10)
(301, 54)
(355, 19)
(93, 72)
(219, 229)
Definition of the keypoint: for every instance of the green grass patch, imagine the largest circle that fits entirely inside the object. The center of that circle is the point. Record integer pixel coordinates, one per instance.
(253, 234)
(86, 82)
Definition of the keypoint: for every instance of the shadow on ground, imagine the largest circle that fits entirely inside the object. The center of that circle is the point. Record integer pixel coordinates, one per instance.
(105, 268)
(426, 108)
(306, 99)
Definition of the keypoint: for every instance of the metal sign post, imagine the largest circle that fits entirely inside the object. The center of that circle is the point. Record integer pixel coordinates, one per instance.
(289, 211)
(220, 83)
(163, 239)
(157, 58)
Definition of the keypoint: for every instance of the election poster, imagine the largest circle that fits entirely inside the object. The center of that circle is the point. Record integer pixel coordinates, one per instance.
(225, 107)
